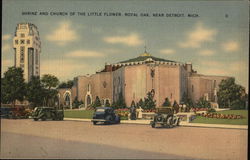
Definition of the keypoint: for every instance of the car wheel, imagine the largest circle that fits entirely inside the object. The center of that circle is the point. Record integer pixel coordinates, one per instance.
(170, 122)
(153, 125)
(94, 123)
(35, 119)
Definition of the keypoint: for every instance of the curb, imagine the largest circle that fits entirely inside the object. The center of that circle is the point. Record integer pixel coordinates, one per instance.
(147, 122)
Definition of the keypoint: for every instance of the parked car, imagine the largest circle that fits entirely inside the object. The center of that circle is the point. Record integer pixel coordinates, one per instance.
(165, 117)
(5, 112)
(105, 115)
(16, 112)
(45, 113)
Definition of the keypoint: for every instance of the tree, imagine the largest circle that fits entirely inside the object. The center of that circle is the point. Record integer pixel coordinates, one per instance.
(13, 86)
(140, 104)
(231, 94)
(77, 103)
(166, 103)
(50, 82)
(120, 103)
(35, 91)
(149, 102)
(68, 84)
(203, 103)
(186, 100)
(97, 102)
(107, 104)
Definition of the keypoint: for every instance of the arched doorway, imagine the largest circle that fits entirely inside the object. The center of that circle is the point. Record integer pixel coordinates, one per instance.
(67, 99)
(88, 100)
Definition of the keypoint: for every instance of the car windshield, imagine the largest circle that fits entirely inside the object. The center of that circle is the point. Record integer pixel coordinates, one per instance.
(100, 110)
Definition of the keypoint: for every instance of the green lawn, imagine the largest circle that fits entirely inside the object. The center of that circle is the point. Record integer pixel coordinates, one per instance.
(243, 121)
(85, 114)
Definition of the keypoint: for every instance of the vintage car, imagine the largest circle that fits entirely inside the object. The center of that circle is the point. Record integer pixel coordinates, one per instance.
(105, 115)
(16, 112)
(45, 113)
(165, 117)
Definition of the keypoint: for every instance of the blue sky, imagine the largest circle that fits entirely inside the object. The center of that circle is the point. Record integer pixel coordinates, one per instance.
(216, 42)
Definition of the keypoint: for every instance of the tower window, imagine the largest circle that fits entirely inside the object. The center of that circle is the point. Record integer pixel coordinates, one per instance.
(16, 41)
(192, 88)
(36, 58)
(22, 54)
(22, 41)
(22, 35)
(28, 41)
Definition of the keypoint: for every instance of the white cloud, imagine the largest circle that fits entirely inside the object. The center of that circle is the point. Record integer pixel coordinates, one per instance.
(167, 51)
(6, 37)
(6, 47)
(206, 52)
(63, 33)
(230, 46)
(197, 36)
(62, 69)
(132, 39)
(84, 53)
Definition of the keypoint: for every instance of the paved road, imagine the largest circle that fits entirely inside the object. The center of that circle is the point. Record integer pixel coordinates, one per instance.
(70, 139)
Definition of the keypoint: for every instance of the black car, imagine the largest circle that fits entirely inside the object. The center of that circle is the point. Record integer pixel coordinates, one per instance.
(105, 115)
(165, 117)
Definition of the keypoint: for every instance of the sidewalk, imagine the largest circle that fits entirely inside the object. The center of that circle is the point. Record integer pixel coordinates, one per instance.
(182, 123)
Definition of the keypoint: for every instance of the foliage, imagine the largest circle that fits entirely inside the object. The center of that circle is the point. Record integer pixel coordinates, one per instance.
(49, 82)
(210, 110)
(97, 102)
(68, 84)
(35, 91)
(186, 100)
(231, 95)
(166, 103)
(120, 103)
(225, 120)
(132, 104)
(76, 103)
(13, 86)
(149, 102)
(107, 104)
(140, 104)
(203, 103)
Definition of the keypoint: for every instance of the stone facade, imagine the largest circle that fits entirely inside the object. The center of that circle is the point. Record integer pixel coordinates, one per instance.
(27, 48)
(134, 78)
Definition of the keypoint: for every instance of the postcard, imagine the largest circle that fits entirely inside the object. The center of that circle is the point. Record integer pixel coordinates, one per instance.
(135, 79)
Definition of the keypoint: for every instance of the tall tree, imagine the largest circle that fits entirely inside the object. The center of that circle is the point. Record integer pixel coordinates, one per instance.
(140, 104)
(231, 94)
(35, 91)
(166, 103)
(13, 86)
(97, 102)
(149, 102)
(50, 82)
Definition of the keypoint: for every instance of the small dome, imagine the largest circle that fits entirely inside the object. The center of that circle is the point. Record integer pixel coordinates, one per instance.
(145, 54)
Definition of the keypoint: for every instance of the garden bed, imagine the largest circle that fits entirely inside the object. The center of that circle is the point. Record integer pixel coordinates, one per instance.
(209, 120)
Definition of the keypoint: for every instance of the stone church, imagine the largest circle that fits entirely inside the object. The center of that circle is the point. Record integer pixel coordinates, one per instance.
(135, 77)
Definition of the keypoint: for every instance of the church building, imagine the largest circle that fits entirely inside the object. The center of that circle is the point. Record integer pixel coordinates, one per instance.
(135, 77)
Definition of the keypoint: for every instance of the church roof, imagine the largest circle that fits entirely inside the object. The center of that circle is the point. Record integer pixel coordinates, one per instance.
(144, 56)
